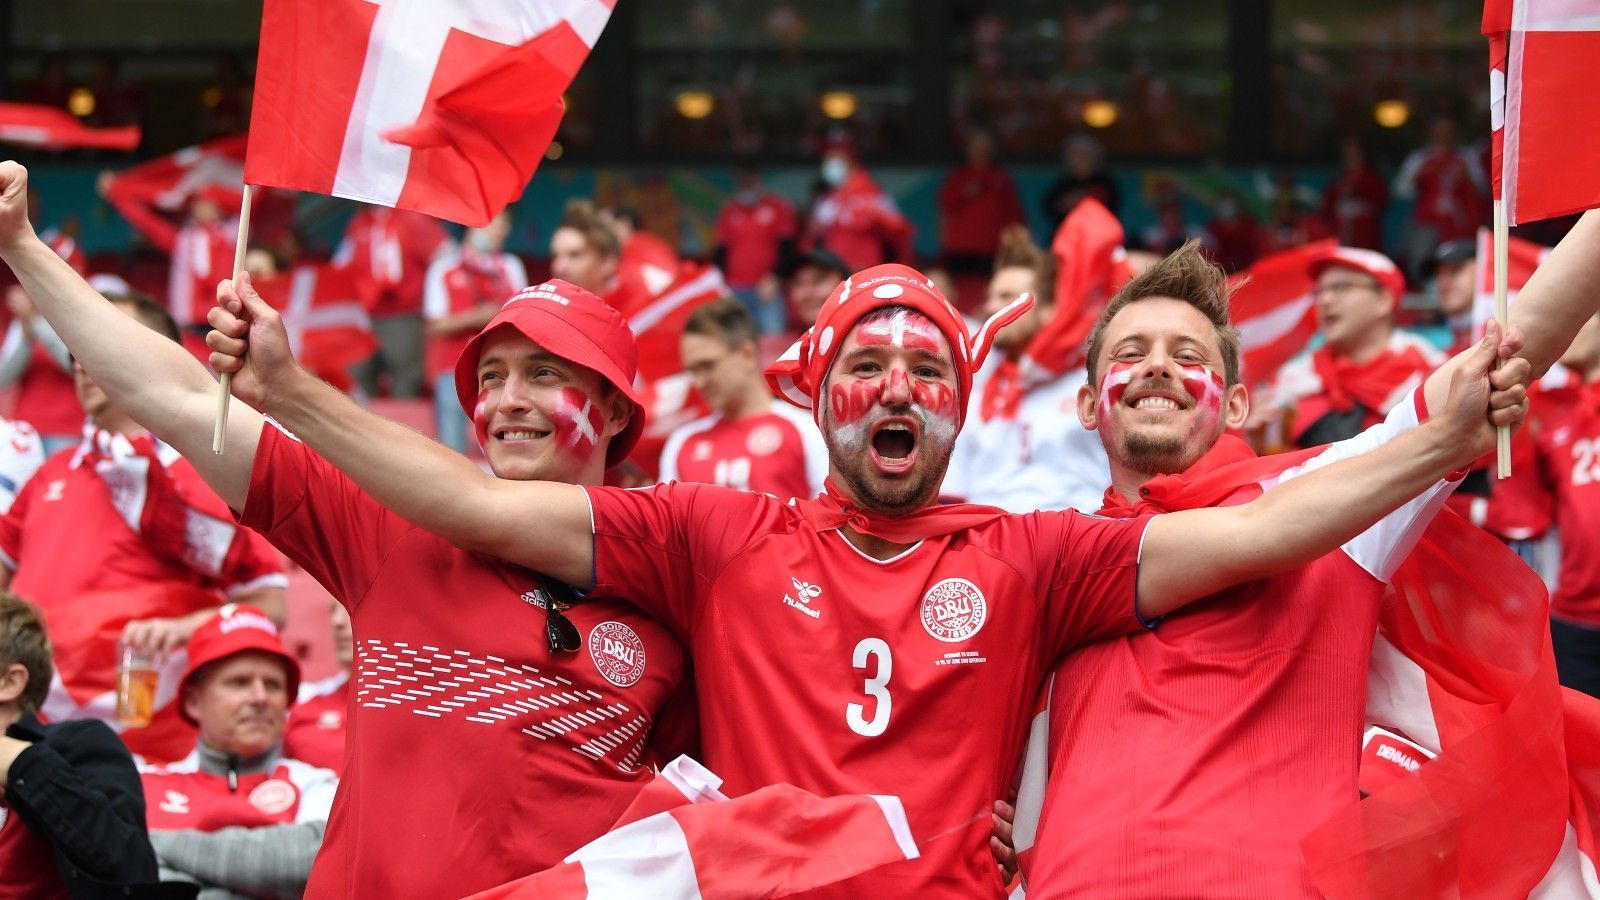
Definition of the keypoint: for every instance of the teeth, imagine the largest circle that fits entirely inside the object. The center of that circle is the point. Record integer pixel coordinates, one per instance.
(896, 426)
(1155, 403)
(516, 436)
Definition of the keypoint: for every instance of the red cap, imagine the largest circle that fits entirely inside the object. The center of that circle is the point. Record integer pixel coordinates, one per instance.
(798, 374)
(577, 326)
(234, 629)
(1369, 262)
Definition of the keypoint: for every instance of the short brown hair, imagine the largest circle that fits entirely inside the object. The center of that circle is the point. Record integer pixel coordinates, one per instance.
(1018, 251)
(725, 319)
(582, 216)
(23, 640)
(154, 316)
(1184, 275)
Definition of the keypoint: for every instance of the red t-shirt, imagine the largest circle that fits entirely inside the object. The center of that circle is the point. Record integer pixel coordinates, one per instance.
(1190, 761)
(751, 233)
(390, 250)
(27, 862)
(1564, 483)
(780, 453)
(838, 673)
(184, 796)
(459, 283)
(316, 729)
(96, 547)
(976, 203)
(474, 757)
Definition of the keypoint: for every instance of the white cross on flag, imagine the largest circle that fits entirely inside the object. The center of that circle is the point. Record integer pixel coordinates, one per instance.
(1545, 120)
(440, 106)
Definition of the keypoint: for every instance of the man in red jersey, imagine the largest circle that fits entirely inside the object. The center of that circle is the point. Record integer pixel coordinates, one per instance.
(493, 732)
(390, 251)
(750, 441)
(1561, 486)
(755, 233)
(316, 728)
(899, 669)
(1191, 761)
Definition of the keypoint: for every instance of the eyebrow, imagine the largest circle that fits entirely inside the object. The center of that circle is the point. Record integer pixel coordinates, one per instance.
(538, 356)
(916, 351)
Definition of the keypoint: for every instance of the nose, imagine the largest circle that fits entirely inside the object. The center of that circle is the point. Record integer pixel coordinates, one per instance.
(514, 395)
(897, 387)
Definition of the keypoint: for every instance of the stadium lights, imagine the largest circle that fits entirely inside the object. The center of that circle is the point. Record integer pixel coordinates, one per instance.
(1099, 113)
(695, 104)
(80, 102)
(1391, 113)
(554, 151)
(838, 104)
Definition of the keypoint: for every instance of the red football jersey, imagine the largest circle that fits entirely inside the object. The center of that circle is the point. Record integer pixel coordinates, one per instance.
(780, 453)
(1564, 482)
(96, 550)
(316, 729)
(822, 667)
(457, 283)
(183, 796)
(475, 756)
(390, 250)
(1190, 761)
(751, 233)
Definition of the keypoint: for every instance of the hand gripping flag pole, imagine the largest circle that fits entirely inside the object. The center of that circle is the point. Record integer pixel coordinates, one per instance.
(238, 266)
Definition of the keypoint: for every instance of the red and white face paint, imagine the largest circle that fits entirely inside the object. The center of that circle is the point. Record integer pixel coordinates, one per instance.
(1113, 385)
(480, 419)
(1205, 386)
(857, 405)
(577, 422)
(905, 329)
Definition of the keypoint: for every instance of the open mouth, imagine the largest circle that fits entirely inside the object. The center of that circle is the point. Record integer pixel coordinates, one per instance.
(1156, 402)
(517, 435)
(894, 444)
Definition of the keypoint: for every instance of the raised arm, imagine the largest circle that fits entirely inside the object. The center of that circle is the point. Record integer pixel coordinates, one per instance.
(1562, 294)
(1195, 553)
(154, 379)
(538, 524)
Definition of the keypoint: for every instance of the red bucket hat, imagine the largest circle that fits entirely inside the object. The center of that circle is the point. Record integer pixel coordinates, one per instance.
(1367, 262)
(798, 374)
(580, 328)
(236, 628)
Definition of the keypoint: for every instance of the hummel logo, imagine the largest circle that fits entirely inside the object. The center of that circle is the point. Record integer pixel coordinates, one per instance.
(805, 593)
(53, 490)
(175, 803)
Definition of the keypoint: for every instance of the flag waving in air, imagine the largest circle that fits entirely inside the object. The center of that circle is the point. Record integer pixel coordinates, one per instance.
(440, 106)
(35, 125)
(1546, 122)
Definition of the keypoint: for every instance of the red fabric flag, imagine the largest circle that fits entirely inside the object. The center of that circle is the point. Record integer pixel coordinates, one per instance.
(775, 842)
(1273, 310)
(1544, 119)
(668, 394)
(1090, 266)
(328, 324)
(441, 107)
(153, 196)
(1525, 256)
(35, 125)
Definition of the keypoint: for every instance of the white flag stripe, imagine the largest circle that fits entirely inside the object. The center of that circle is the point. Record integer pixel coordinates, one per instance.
(1571, 875)
(1259, 331)
(648, 858)
(895, 813)
(1397, 694)
(1511, 140)
(1555, 15)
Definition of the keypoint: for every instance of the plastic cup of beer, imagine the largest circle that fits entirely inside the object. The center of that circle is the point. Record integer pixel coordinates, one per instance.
(137, 673)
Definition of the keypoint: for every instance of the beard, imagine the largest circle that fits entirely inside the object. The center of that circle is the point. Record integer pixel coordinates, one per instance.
(852, 460)
(1163, 452)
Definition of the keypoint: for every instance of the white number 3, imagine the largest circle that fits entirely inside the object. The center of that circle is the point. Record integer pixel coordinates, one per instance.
(877, 687)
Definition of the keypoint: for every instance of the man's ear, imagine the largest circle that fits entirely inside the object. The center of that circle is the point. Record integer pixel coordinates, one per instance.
(1235, 407)
(619, 412)
(1089, 407)
(13, 681)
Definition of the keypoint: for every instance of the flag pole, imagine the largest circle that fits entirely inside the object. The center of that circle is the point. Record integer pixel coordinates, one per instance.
(1502, 312)
(239, 247)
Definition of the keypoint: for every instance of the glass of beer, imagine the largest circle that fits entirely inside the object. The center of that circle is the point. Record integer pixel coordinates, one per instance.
(137, 673)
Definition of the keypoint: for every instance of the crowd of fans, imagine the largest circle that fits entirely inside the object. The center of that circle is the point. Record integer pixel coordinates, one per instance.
(119, 545)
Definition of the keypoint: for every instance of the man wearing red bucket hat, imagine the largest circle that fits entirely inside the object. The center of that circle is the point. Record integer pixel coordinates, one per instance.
(237, 690)
(867, 640)
(492, 730)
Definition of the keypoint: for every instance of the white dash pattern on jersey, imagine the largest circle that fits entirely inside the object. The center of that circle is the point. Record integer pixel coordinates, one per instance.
(488, 690)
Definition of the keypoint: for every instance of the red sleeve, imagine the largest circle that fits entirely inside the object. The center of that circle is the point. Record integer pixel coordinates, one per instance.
(318, 517)
(11, 522)
(660, 548)
(160, 231)
(1091, 565)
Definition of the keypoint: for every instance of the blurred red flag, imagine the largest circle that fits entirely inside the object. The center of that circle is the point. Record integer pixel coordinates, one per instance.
(442, 107)
(328, 325)
(1273, 310)
(1525, 256)
(1544, 119)
(1090, 266)
(35, 125)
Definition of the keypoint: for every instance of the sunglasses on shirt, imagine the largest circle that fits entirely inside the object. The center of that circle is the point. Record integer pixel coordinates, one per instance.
(559, 631)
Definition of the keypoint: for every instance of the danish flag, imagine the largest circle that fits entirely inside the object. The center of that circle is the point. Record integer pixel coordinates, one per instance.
(1272, 308)
(1545, 120)
(440, 106)
(36, 125)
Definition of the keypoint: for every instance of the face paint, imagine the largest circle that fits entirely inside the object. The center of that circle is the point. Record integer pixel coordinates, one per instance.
(1113, 385)
(577, 421)
(905, 329)
(480, 419)
(1205, 386)
(851, 402)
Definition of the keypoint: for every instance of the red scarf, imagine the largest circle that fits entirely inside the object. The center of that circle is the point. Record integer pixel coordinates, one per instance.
(1227, 468)
(834, 510)
(1002, 393)
(1372, 383)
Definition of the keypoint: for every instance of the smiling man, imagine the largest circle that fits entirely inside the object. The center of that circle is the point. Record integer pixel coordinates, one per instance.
(1191, 761)
(868, 640)
(491, 733)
